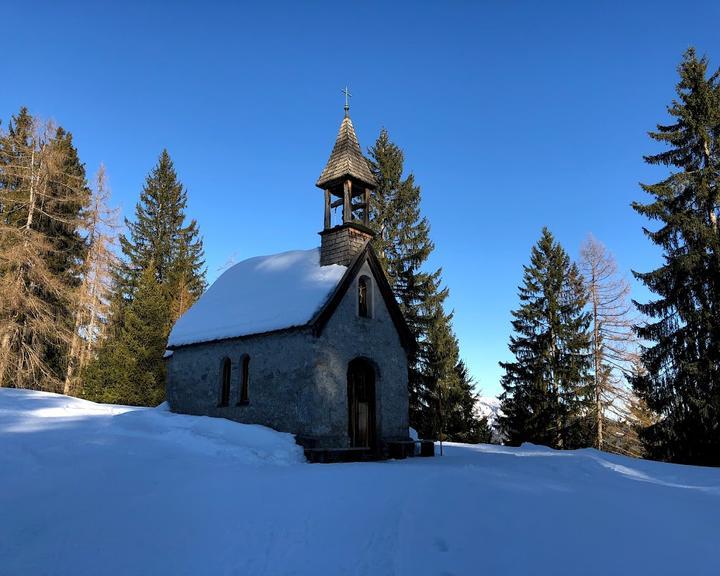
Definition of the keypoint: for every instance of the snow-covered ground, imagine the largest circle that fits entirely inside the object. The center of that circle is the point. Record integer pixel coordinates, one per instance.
(93, 489)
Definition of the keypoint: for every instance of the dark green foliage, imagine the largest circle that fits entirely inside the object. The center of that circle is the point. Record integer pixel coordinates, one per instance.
(66, 198)
(682, 378)
(17, 143)
(142, 312)
(403, 245)
(159, 234)
(130, 368)
(68, 195)
(547, 389)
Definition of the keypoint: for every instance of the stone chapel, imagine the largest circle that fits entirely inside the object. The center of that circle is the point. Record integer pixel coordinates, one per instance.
(310, 342)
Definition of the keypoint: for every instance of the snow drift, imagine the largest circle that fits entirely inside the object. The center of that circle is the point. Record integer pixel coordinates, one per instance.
(88, 489)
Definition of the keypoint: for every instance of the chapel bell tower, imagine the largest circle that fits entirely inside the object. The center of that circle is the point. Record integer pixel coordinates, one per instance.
(347, 182)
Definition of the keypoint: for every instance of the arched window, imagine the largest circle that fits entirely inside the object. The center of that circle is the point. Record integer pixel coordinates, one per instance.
(364, 297)
(225, 373)
(245, 383)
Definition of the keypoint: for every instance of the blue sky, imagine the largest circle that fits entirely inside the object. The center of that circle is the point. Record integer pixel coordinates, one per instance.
(512, 115)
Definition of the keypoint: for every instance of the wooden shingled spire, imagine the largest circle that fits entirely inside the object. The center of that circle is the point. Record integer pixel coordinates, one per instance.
(347, 182)
(346, 160)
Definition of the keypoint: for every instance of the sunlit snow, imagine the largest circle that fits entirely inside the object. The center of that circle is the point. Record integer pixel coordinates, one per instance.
(88, 489)
(259, 295)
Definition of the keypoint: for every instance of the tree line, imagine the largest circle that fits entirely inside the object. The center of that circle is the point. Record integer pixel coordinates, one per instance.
(85, 310)
(586, 372)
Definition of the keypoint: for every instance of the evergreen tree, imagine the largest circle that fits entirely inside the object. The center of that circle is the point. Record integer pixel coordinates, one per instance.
(42, 197)
(62, 218)
(682, 378)
(403, 246)
(130, 369)
(547, 393)
(386, 164)
(159, 240)
(159, 234)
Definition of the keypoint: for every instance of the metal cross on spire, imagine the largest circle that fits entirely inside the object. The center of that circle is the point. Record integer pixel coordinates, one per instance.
(347, 100)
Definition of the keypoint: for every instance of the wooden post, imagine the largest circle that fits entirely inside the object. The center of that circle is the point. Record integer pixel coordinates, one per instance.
(327, 209)
(347, 199)
(366, 214)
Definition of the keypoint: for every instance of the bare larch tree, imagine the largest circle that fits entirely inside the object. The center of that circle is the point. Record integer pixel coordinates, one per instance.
(95, 292)
(613, 342)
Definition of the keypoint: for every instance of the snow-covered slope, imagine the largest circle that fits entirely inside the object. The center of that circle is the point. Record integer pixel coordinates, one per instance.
(87, 489)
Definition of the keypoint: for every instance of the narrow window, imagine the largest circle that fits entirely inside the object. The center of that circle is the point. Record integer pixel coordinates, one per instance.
(225, 386)
(364, 297)
(244, 385)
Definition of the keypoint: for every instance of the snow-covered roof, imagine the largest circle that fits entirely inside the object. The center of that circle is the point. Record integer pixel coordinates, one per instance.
(259, 295)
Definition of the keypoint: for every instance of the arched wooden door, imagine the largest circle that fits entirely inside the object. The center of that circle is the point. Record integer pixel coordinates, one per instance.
(361, 404)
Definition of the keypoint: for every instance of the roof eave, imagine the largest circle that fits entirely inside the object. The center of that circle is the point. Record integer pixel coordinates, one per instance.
(326, 183)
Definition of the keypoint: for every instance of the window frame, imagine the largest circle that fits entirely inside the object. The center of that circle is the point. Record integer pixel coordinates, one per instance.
(244, 392)
(365, 282)
(225, 382)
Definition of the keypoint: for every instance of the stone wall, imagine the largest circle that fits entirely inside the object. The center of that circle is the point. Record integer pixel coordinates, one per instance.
(297, 381)
(280, 370)
(348, 336)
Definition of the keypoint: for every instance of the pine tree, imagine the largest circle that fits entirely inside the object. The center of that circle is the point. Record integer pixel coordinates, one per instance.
(130, 369)
(159, 240)
(42, 197)
(63, 217)
(159, 234)
(546, 395)
(682, 361)
(386, 163)
(403, 245)
(440, 376)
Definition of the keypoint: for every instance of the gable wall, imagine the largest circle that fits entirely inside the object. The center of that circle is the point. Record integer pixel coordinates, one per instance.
(346, 337)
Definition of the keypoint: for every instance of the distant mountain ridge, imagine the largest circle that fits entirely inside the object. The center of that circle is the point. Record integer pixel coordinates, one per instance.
(489, 407)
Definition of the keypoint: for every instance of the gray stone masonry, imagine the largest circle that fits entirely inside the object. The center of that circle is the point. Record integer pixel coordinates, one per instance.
(298, 381)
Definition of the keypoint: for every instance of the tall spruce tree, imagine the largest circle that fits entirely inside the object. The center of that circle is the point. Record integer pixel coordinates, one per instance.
(160, 235)
(682, 378)
(43, 194)
(160, 240)
(403, 245)
(130, 368)
(547, 393)
(62, 220)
